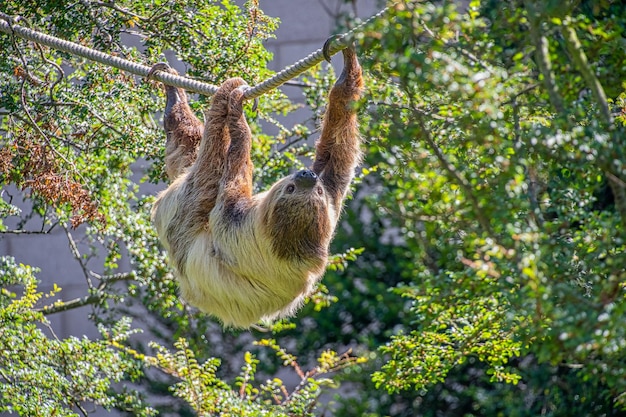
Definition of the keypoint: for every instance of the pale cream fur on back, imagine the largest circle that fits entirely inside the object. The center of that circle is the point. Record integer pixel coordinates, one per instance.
(259, 286)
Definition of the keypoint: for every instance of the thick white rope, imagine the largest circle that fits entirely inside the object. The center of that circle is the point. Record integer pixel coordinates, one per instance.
(337, 44)
(7, 25)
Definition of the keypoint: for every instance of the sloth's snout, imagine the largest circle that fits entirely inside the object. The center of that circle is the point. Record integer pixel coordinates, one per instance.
(306, 178)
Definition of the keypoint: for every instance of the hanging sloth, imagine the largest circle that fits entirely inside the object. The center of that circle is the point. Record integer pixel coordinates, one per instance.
(242, 257)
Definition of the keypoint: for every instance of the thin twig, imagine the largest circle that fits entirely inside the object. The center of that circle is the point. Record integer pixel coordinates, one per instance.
(542, 52)
(45, 137)
(78, 257)
(25, 232)
(120, 9)
(524, 90)
(56, 66)
(419, 110)
(457, 47)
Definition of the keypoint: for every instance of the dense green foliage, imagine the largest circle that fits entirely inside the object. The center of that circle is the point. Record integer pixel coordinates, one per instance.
(496, 210)
(488, 219)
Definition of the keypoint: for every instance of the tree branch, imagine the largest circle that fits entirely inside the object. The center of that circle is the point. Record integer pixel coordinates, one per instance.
(61, 306)
(97, 294)
(580, 59)
(25, 232)
(78, 257)
(478, 211)
(542, 53)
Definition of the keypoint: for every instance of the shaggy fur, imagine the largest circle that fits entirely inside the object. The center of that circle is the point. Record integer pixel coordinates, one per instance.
(242, 257)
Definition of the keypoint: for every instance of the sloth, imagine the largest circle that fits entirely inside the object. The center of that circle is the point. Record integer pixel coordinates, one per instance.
(241, 257)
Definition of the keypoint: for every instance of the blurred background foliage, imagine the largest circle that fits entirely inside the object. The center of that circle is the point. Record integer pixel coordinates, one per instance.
(480, 264)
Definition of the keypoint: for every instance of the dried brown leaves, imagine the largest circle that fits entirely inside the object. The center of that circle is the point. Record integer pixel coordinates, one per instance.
(33, 165)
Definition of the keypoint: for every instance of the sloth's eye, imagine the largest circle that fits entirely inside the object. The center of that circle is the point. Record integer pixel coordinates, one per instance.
(290, 189)
(320, 191)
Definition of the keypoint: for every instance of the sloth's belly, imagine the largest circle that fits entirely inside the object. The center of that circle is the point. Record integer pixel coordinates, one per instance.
(242, 288)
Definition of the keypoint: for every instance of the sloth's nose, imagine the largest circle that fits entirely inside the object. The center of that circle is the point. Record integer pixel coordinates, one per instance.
(306, 178)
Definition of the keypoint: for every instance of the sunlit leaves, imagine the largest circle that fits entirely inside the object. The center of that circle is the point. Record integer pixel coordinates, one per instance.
(43, 375)
(200, 386)
(490, 213)
(81, 140)
(500, 202)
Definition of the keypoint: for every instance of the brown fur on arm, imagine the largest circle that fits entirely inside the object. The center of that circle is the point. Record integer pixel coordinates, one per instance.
(337, 151)
(236, 182)
(206, 173)
(198, 186)
(182, 128)
(184, 132)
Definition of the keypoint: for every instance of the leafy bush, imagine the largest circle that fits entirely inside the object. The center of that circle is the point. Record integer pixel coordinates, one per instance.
(480, 264)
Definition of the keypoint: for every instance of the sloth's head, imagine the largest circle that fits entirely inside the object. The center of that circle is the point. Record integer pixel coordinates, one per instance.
(299, 215)
(300, 195)
(304, 182)
(298, 191)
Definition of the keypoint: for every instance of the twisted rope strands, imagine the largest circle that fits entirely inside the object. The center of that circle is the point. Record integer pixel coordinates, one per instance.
(337, 44)
(101, 57)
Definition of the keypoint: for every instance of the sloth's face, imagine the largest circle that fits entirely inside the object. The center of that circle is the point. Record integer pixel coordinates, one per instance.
(301, 194)
(299, 202)
(299, 216)
(304, 182)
